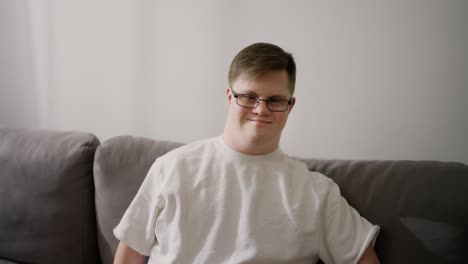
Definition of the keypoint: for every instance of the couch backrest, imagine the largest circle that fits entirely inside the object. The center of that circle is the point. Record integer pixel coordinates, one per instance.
(46, 197)
(421, 206)
(120, 166)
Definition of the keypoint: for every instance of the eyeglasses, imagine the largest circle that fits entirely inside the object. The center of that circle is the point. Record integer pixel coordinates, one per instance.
(274, 104)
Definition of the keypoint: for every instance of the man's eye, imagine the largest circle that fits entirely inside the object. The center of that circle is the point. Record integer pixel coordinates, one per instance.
(252, 97)
(277, 100)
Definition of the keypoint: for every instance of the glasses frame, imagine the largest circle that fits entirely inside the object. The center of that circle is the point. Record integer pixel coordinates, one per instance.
(267, 101)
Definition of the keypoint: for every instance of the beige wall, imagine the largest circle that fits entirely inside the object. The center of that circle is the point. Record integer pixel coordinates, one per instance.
(376, 79)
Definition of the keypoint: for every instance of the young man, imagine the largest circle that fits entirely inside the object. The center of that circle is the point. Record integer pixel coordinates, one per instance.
(238, 198)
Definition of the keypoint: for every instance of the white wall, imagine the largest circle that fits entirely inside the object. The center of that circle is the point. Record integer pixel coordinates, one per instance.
(376, 79)
(16, 77)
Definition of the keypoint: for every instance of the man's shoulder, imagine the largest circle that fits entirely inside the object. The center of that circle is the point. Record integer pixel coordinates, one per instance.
(300, 170)
(191, 150)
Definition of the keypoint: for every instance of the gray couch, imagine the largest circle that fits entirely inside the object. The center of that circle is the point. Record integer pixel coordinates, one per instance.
(61, 194)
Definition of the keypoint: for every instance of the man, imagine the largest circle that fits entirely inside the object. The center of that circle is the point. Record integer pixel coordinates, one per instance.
(238, 198)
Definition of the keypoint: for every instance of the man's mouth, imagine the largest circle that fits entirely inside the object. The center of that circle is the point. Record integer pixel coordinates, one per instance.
(260, 121)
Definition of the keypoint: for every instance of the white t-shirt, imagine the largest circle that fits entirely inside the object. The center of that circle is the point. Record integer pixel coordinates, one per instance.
(206, 203)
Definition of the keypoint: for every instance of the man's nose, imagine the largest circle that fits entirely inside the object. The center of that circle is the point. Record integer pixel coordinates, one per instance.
(262, 108)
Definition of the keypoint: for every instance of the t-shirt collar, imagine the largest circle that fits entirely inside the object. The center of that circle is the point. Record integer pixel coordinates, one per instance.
(238, 155)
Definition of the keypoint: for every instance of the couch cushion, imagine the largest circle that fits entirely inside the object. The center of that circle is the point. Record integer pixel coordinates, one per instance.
(120, 166)
(47, 197)
(4, 261)
(421, 206)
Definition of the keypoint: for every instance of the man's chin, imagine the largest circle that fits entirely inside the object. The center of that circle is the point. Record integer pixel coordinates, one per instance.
(259, 136)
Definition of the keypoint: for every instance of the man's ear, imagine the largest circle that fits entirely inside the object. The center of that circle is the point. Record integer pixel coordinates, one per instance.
(293, 102)
(228, 94)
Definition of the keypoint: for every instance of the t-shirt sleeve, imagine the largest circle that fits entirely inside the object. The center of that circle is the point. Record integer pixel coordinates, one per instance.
(345, 234)
(137, 226)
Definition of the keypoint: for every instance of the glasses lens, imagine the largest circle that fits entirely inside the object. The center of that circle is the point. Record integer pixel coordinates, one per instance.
(247, 100)
(278, 104)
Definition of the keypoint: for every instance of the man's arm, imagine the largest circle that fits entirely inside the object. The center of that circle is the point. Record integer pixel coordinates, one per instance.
(126, 254)
(369, 257)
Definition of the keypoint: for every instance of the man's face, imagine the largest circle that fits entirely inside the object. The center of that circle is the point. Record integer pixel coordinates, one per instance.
(258, 125)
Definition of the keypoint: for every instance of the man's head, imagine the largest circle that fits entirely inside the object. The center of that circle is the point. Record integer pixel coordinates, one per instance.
(260, 58)
(261, 80)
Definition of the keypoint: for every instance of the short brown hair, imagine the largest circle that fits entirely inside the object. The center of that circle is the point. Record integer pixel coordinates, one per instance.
(260, 58)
